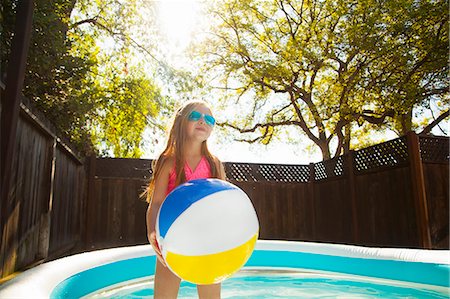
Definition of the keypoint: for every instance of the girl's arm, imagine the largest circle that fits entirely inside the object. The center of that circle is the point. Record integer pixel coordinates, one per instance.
(159, 194)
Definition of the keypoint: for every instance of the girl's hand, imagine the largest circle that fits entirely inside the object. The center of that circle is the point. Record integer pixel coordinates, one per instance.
(156, 248)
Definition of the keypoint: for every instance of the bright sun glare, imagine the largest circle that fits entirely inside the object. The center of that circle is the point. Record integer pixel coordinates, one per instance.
(178, 21)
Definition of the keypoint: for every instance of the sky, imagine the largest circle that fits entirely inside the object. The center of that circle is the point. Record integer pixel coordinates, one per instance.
(179, 21)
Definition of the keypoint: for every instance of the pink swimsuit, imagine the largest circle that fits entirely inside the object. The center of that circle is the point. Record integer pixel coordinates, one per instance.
(202, 171)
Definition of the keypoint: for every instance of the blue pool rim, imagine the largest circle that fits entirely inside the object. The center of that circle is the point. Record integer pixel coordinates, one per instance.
(425, 267)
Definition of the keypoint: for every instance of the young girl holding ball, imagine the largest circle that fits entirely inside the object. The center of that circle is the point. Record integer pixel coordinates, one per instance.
(186, 157)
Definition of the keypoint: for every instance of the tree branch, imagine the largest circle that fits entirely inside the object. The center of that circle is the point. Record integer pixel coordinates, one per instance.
(427, 129)
(436, 91)
(85, 21)
(368, 115)
(265, 125)
(302, 122)
(373, 118)
(276, 90)
(95, 21)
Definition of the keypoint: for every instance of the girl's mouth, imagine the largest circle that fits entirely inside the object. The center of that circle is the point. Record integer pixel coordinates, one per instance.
(201, 129)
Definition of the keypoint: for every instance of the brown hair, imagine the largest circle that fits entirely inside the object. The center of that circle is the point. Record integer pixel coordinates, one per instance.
(175, 148)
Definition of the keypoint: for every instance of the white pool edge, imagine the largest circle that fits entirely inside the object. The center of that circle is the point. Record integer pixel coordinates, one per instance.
(399, 254)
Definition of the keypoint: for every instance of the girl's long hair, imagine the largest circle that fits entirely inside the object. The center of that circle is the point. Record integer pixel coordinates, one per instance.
(175, 148)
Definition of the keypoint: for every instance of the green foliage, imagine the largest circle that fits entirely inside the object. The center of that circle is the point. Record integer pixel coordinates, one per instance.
(124, 105)
(329, 67)
(83, 72)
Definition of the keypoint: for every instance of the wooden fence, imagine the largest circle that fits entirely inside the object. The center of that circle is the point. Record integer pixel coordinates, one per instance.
(43, 214)
(392, 194)
(116, 211)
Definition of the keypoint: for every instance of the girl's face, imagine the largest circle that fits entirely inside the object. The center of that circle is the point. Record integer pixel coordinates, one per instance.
(197, 128)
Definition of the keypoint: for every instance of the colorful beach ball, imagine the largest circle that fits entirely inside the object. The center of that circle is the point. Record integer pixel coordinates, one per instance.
(207, 230)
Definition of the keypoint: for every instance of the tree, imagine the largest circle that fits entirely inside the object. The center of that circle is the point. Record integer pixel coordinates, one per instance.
(328, 67)
(416, 71)
(81, 72)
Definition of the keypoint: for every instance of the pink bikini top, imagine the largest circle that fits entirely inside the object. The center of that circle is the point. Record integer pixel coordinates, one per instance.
(202, 171)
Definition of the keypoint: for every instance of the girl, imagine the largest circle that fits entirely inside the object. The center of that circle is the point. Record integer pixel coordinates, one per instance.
(186, 157)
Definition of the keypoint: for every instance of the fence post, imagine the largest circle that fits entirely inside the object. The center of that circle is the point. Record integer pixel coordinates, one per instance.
(9, 118)
(351, 182)
(311, 184)
(90, 204)
(46, 216)
(418, 189)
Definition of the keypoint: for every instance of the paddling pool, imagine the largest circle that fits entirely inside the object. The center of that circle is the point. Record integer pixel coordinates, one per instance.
(276, 269)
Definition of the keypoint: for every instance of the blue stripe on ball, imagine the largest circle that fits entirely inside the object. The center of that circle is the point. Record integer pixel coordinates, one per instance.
(173, 207)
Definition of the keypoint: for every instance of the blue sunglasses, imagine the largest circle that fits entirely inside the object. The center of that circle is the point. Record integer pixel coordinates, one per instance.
(209, 120)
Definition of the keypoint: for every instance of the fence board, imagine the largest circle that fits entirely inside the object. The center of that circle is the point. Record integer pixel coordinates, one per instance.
(28, 194)
(437, 192)
(332, 212)
(67, 202)
(118, 218)
(304, 214)
(386, 210)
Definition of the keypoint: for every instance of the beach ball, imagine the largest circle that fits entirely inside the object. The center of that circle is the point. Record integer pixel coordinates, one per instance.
(206, 230)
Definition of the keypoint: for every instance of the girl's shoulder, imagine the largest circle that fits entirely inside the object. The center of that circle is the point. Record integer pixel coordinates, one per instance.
(168, 162)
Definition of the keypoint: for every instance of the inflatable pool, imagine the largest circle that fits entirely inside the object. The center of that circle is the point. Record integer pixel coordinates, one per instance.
(276, 269)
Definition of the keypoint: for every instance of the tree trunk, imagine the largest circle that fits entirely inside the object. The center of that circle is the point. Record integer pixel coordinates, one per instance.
(403, 122)
(323, 145)
(347, 138)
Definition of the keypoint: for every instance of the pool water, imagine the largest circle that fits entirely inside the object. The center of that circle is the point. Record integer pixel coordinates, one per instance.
(272, 283)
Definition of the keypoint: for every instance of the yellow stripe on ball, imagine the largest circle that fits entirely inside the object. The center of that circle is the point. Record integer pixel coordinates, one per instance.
(211, 268)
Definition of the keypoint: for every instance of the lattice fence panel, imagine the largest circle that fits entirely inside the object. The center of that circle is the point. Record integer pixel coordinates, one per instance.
(390, 153)
(330, 168)
(243, 172)
(284, 173)
(433, 149)
(240, 172)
